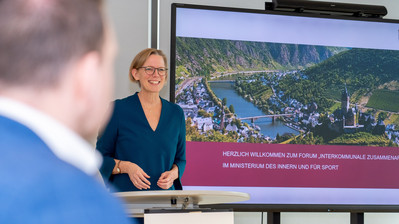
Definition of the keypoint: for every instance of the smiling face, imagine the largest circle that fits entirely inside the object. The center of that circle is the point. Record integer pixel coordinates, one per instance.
(150, 83)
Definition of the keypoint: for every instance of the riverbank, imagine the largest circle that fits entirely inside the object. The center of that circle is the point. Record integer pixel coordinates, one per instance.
(244, 108)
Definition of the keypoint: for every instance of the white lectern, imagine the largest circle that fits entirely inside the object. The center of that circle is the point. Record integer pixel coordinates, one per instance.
(180, 206)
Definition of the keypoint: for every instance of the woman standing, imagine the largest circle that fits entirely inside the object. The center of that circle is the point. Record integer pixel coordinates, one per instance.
(144, 144)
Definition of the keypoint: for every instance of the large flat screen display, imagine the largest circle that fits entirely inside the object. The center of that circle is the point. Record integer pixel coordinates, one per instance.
(294, 109)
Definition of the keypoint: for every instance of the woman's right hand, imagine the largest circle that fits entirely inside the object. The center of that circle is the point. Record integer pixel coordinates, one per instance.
(136, 175)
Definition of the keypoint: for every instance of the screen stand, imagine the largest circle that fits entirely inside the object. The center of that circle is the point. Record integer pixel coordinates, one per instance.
(357, 218)
(274, 218)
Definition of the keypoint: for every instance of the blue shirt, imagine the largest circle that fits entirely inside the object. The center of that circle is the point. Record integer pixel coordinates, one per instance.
(37, 187)
(129, 137)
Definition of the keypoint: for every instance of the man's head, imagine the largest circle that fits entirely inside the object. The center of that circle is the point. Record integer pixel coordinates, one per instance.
(61, 52)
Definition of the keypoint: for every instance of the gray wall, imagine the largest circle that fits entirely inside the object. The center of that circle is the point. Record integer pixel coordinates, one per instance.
(131, 19)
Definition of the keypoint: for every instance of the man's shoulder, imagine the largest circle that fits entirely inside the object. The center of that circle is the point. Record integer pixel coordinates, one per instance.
(16, 138)
(53, 192)
(37, 187)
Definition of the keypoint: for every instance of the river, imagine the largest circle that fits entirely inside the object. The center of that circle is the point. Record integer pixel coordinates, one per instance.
(243, 108)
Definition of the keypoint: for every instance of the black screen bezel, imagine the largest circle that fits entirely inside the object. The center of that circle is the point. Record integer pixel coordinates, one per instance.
(276, 207)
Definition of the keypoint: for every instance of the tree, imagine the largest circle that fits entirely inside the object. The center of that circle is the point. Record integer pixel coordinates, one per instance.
(201, 113)
(224, 101)
(237, 123)
(231, 108)
(382, 116)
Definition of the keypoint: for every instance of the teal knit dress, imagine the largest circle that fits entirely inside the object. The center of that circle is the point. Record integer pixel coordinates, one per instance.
(129, 137)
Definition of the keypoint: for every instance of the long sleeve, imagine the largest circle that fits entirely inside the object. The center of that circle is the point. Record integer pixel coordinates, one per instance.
(180, 158)
(106, 146)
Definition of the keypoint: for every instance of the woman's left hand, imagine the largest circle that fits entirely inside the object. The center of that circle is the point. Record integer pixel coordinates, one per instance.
(167, 178)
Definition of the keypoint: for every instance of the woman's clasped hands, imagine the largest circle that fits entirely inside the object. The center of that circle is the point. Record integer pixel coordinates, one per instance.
(140, 180)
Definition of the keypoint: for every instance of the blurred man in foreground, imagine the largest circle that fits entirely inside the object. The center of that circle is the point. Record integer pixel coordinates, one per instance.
(56, 61)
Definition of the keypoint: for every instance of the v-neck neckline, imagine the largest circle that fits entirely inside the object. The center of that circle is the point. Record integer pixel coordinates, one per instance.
(145, 117)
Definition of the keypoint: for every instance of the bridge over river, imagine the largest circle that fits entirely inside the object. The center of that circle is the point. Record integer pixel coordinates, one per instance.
(273, 116)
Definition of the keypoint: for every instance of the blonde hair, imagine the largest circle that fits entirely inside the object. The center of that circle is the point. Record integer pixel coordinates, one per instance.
(142, 57)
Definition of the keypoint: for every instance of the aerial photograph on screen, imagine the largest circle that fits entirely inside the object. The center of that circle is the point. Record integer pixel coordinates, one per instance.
(260, 92)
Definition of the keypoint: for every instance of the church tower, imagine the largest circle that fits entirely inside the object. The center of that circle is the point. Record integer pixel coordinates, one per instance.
(345, 100)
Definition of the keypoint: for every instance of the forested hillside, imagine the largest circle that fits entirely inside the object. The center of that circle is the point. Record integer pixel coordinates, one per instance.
(323, 71)
(204, 56)
(362, 70)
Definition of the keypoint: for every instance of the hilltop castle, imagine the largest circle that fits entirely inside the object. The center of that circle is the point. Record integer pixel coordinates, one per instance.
(346, 118)
(350, 119)
(348, 113)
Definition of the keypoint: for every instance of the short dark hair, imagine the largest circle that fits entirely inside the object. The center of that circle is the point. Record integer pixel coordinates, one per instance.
(40, 38)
